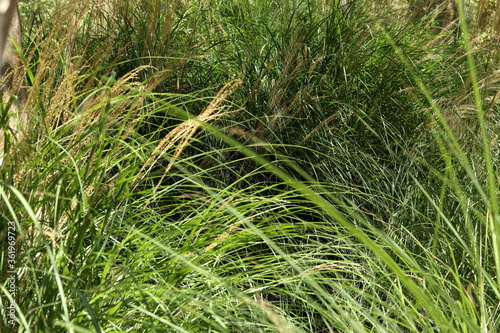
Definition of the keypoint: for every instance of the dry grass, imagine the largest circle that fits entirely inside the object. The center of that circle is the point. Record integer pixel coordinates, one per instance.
(182, 133)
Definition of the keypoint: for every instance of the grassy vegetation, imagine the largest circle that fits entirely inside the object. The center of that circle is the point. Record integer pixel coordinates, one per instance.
(254, 166)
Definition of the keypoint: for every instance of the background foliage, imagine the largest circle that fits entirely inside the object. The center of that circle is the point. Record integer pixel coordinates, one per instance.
(256, 166)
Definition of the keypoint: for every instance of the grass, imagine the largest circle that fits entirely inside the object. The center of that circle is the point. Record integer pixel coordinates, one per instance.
(206, 166)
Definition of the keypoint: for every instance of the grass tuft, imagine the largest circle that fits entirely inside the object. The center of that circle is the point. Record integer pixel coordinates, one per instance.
(253, 166)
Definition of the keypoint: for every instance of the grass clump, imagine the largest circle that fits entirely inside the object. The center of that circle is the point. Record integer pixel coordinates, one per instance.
(252, 166)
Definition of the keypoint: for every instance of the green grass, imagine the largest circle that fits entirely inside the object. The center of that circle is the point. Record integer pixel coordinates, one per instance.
(252, 166)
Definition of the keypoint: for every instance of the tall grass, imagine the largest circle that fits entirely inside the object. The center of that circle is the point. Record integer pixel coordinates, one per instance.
(252, 166)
